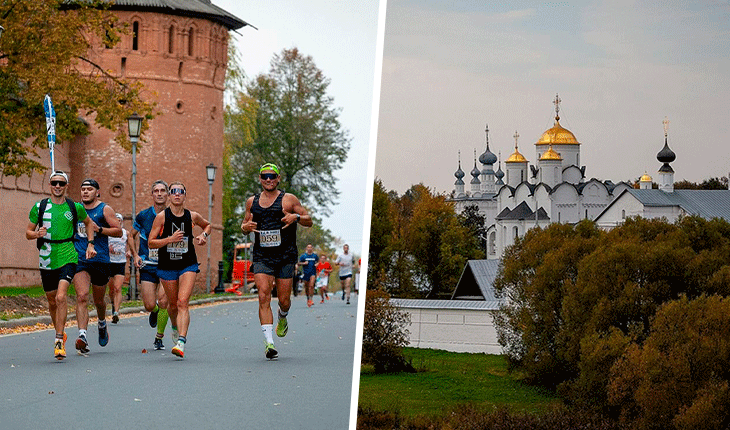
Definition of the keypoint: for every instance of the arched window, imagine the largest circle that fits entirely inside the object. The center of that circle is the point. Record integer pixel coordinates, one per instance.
(491, 243)
(516, 232)
(623, 213)
(191, 40)
(135, 36)
(171, 40)
(586, 213)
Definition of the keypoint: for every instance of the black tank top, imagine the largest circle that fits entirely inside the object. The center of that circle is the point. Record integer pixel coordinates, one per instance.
(272, 241)
(178, 255)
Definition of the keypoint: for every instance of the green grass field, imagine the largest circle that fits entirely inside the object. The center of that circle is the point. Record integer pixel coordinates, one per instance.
(446, 380)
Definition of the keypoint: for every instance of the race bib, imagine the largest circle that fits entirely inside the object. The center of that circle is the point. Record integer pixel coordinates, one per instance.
(270, 238)
(81, 229)
(180, 247)
(153, 254)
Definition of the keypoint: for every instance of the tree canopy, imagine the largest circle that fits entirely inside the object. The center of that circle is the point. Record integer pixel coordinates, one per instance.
(44, 50)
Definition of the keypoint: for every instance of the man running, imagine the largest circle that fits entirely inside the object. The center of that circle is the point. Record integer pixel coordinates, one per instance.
(152, 292)
(324, 268)
(93, 273)
(273, 216)
(57, 256)
(308, 261)
(345, 263)
(172, 235)
(119, 247)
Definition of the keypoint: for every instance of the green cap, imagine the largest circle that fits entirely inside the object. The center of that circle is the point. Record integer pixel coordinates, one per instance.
(269, 166)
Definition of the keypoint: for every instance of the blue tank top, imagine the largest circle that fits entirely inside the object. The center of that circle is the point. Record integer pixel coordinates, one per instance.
(143, 224)
(101, 241)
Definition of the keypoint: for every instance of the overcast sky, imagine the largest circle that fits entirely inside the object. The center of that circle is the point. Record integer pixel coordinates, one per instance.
(341, 38)
(620, 67)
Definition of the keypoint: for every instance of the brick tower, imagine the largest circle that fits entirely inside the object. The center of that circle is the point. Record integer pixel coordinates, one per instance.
(178, 50)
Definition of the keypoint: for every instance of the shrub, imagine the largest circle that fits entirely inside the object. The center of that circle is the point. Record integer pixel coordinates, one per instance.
(384, 334)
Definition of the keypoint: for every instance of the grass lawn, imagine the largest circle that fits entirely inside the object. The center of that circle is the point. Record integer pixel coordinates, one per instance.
(447, 379)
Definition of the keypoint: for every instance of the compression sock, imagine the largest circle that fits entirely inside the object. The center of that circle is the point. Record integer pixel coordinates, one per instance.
(157, 308)
(102, 323)
(268, 330)
(162, 318)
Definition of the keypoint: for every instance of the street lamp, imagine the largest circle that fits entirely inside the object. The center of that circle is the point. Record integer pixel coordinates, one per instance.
(210, 171)
(134, 124)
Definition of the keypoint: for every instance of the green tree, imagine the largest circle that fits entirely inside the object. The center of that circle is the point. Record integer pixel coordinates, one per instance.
(384, 334)
(476, 223)
(286, 117)
(45, 50)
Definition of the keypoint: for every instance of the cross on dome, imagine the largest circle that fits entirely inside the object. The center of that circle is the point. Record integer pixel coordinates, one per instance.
(556, 102)
(666, 126)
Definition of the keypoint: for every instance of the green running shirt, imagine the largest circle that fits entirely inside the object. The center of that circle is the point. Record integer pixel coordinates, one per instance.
(59, 222)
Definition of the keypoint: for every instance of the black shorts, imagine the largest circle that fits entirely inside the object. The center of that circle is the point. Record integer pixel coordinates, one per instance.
(342, 278)
(117, 269)
(148, 273)
(98, 272)
(51, 278)
(281, 270)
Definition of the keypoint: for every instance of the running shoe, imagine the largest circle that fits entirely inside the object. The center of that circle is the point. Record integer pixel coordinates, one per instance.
(115, 317)
(179, 349)
(153, 318)
(343, 295)
(59, 349)
(270, 352)
(310, 303)
(175, 335)
(348, 301)
(103, 335)
(282, 327)
(327, 296)
(82, 345)
(321, 301)
(158, 344)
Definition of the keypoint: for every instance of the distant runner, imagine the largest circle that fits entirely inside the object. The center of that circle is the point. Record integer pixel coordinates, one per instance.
(54, 218)
(119, 247)
(308, 262)
(324, 268)
(345, 262)
(273, 215)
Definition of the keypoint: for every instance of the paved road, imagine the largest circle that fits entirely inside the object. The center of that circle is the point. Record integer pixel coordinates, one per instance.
(223, 382)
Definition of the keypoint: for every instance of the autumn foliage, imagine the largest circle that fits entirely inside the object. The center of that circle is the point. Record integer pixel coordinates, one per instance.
(633, 322)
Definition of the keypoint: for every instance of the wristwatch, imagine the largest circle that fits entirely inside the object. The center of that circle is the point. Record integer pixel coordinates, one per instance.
(206, 235)
(298, 217)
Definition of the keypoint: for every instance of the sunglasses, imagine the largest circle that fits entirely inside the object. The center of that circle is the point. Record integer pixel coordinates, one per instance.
(270, 176)
(177, 191)
(58, 183)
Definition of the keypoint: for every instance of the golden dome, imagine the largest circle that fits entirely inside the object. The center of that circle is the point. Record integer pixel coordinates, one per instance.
(516, 157)
(558, 135)
(550, 154)
(645, 178)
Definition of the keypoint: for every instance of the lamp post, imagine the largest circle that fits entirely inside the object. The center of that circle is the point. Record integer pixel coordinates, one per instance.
(134, 124)
(210, 171)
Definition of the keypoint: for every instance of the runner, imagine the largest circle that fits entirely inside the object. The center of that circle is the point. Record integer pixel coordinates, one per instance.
(308, 261)
(152, 292)
(324, 268)
(93, 272)
(119, 247)
(172, 235)
(273, 215)
(56, 216)
(345, 263)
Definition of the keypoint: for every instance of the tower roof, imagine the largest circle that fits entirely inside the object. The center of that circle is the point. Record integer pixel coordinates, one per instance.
(550, 154)
(488, 156)
(645, 178)
(193, 8)
(516, 157)
(557, 135)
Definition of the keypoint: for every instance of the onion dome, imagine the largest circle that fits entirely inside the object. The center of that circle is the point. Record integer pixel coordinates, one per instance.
(645, 178)
(557, 135)
(666, 155)
(550, 154)
(488, 156)
(475, 172)
(516, 157)
(459, 173)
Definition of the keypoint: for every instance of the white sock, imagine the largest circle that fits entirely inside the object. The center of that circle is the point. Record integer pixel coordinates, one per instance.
(82, 332)
(268, 330)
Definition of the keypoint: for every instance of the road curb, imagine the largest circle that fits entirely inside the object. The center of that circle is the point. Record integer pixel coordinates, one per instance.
(46, 319)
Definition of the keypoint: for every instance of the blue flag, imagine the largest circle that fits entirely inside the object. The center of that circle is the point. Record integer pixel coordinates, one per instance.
(50, 127)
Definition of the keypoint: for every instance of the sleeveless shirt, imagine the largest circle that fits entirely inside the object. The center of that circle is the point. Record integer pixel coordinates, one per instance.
(177, 255)
(273, 243)
(101, 241)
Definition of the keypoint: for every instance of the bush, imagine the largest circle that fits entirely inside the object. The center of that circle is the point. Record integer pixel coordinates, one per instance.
(384, 334)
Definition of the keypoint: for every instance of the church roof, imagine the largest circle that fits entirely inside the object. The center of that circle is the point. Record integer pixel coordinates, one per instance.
(476, 282)
(475, 305)
(557, 135)
(705, 203)
(523, 212)
(193, 8)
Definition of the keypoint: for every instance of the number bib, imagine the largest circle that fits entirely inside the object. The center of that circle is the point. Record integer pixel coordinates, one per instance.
(81, 229)
(153, 254)
(270, 238)
(180, 247)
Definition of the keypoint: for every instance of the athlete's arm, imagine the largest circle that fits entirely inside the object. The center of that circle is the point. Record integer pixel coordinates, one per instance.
(157, 225)
(135, 247)
(131, 250)
(294, 212)
(115, 227)
(203, 223)
(247, 226)
(31, 232)
(90, 250)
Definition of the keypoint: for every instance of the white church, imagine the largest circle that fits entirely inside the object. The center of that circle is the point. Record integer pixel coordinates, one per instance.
(555, 189)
